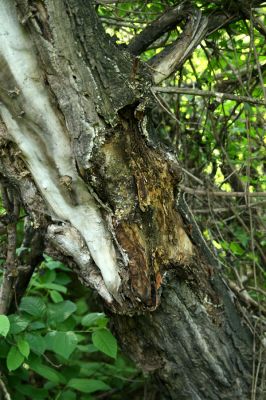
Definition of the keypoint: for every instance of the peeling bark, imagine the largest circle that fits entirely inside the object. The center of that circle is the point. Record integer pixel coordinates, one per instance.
(76, 110)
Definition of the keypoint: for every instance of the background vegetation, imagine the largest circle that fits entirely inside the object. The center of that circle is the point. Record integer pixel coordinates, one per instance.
(56, 344)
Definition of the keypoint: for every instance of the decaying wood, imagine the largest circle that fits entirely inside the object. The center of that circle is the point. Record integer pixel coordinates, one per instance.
(76, 109)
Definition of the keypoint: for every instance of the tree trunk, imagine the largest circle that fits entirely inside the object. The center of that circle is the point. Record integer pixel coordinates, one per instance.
(76, 141)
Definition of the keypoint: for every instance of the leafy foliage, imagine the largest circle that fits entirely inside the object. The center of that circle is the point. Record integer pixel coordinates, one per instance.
(56, 348)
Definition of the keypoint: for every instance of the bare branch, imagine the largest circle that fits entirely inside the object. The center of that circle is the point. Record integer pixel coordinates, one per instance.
(157, 28)
(208, 93)
(245, 297)
(226, 209)
(4, 390)
(105, 2)
(173, 56)
(220, 193)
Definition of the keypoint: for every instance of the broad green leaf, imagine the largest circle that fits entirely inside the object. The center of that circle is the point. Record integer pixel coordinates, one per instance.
(90, 368)
(61, 311)
(104, 341)
(93, 319)
(82, 306)
(90, 348)
(4, 325)
(87, 348)
(55, 296)
(34, 326)
(32, 392)
(14, 359)
(23, 347)
(33, 305)
(68, 395)
(36, 343)
(52, 264)
(17, 324)
(22, 249)
(88, 385)
(68, 325)
(4, 348)
(46, 276)
(46, 372)
(62, 343)
(236, 248)
(52, 286)
(62, 278)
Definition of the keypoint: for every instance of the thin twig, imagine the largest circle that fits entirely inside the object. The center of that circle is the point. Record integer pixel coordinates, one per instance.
(220, 193)
(208, 93)
(161, 102)
(103, 2)
(257, 289)
(4, 390)
(245, 297)
(192, 176)
(225, 209)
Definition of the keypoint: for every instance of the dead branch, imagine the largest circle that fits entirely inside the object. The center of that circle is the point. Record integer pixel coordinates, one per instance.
(220, 97)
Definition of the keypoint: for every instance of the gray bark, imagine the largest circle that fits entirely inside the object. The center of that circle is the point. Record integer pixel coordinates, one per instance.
(90, 176)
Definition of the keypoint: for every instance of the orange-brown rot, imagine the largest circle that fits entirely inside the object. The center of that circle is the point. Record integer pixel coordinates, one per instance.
(159, 280)
(140, 185)
(132, 241)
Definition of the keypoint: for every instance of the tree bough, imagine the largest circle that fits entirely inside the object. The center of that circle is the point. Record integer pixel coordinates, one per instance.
(75, 109)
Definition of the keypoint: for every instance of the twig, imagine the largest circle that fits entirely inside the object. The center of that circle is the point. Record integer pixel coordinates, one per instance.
(257, 289)
(51, 362)
(4, 390)
(103, 2)
(161, 102)
(208, 93)
(192, 176)
(220, 193)
(225, 209)
(245, 297)
(111, 21)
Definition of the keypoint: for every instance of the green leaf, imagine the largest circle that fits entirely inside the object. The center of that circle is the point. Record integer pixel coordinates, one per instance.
(36, 343)
(61, 311)
(104, 341)
(17, 324)
(93, 319)
(32, 392)
(236, 248)
(47, 372)
(14, 359)
(22, 249)
(4, 325)
(63, 279)
(52, 264)
(23, 347)
(52, 286)
(88, 385)
(33, 305)
(34, 326)
(56, 297)
(46, 276)
(4, 348)
(62, 343)
(68, 395)
(82, 306)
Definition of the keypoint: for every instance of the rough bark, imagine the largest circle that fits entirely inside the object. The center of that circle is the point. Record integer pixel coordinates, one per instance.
(75, 110)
